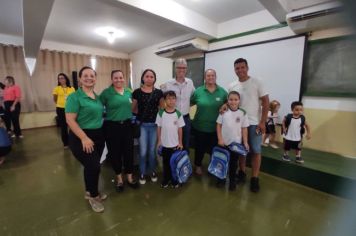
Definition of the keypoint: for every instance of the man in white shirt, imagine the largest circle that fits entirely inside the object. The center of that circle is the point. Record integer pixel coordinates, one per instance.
(184, 88)
(253, 97)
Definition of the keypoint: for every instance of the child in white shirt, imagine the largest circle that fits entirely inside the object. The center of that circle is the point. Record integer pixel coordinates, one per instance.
(169, 131)
(232, 127)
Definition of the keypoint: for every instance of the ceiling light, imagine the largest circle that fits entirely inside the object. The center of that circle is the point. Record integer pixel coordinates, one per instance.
(110, 33)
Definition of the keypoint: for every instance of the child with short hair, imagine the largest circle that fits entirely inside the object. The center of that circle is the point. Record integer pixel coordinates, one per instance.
(232, 127)
(5, 142)
(271, 123)
(293, 127)
(169, 131)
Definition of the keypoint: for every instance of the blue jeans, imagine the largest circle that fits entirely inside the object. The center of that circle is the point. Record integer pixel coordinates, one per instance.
(148, 139)
(186, 132)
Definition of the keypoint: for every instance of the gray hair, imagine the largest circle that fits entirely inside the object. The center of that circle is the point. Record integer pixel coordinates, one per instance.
(180, 61)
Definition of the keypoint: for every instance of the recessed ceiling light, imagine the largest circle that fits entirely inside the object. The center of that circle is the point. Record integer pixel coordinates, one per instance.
(110, 33)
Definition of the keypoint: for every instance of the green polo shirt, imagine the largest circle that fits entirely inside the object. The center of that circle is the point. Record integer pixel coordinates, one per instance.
(118, 106)
(208, 105)
(89, 111)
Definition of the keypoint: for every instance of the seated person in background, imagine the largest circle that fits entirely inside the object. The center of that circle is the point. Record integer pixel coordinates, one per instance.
(271, 123)
(5, 142)
(294, 126)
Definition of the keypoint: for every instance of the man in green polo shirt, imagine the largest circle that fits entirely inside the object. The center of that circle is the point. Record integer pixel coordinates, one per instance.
(208, 99)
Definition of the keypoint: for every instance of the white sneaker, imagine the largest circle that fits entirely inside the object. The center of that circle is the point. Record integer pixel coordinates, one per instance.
(142, 180)
(102, 196)
(264, 144)
(273, 146)
(154, 177)
(96, 204)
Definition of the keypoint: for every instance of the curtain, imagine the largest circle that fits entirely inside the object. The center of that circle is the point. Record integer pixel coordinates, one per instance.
(49, 65)
(104, 66)
(12, 63)
(37, 90)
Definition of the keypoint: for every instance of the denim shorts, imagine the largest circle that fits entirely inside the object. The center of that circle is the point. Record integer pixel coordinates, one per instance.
(254, 140)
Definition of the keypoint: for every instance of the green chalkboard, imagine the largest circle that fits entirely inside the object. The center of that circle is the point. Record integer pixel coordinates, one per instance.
(330, 68)
(195, 71)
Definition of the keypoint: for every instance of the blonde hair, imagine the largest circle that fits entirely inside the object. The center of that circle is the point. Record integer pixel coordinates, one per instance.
(273, 105)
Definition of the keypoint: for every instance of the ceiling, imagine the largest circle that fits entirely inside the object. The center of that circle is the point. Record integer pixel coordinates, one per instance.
(74, 21)
(221, 11)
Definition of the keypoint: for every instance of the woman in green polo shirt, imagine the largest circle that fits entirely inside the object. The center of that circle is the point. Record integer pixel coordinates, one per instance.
(118, 129)
(84, 115)
(208, 98)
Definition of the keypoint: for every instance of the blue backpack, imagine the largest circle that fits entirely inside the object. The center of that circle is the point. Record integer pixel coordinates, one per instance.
(219, 163)
(180, 166)
(4, 138)
(238, 148)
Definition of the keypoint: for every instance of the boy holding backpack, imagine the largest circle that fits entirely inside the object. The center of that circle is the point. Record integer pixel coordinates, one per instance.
(293, 127)
(169, 131)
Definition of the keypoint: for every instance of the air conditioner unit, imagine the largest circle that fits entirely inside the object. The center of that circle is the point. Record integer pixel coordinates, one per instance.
(317, 17)
(186, 47)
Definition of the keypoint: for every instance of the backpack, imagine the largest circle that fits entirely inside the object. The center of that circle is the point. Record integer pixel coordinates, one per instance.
(4, 138)
(288, 119)
(219, 163)
(238, 148)
(181, 166)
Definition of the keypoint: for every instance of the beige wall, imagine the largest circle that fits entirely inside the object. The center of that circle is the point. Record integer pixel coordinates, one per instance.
(332, 131)
(37, 119)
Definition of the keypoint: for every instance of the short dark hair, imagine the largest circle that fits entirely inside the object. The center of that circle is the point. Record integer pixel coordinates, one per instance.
(145, 71)
(169, 93)
(10, 79)
(114, 71)
(65, 77)
(240, 60)
(233, 93)
(84, 68)
(296, 103)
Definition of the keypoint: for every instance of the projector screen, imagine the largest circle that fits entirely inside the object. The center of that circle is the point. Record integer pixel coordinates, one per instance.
(278, 64)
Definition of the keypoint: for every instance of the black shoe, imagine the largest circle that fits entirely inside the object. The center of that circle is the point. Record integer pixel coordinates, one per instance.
(241, 177)
(232, 185)
(254, 185)
(175, 185)
(134, 184)
(220, 183)
(119, 187)
(164, 185)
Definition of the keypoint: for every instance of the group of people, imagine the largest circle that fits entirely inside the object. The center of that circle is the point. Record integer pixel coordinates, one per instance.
(10, 108)
(222, 117)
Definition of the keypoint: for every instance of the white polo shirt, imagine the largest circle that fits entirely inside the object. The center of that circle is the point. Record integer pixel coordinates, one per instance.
(169, 122)
(183, 92)
(232, 123)
(250, 92)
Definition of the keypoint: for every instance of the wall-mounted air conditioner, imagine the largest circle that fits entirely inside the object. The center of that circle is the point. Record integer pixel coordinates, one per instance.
(317, 17)
(182, 48)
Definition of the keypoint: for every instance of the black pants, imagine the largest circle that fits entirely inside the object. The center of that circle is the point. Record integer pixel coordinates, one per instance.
(63, 124)
(12, 117)
(167, 172)
(204, 143)
(234, 157)
(119, 140)
(90, 161)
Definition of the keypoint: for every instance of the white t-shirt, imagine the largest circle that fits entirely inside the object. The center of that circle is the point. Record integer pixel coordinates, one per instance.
(232, 123)
(293, 133)
(250, 91)
(272, 118)
(183, 92)
(169, 122)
